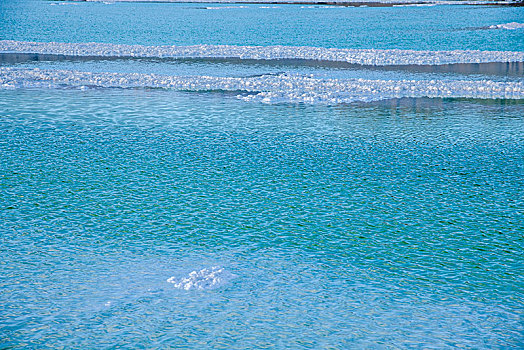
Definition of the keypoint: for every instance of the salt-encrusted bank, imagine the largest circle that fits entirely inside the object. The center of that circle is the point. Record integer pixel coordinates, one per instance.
(369, 57)
(268, 88)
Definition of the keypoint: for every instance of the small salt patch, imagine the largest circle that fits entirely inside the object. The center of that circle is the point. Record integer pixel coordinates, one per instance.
(508, 26)
(211, 278)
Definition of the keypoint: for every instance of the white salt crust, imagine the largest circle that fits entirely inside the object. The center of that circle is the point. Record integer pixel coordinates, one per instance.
(268, 88)
(370, 57)
(204, 279)
(508, 26)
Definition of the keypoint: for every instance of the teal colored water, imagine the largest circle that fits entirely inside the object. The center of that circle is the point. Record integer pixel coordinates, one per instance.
(416, 28)
(152, 218)
(394, 224)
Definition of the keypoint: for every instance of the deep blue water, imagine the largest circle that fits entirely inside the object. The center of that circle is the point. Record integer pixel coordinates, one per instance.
(392, 224)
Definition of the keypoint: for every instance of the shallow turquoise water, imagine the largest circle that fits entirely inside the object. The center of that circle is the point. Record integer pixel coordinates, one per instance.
(392, 224)
(417, 28)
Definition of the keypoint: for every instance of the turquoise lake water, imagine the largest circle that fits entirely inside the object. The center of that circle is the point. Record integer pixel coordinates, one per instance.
(415, 28)
(153, 218)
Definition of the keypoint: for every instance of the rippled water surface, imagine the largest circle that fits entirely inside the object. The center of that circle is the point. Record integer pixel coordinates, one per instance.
(395, 224)
(416, 28)
(136, 216)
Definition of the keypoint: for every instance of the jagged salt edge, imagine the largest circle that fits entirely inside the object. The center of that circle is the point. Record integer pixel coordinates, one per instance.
(353, 56)
(270, 88)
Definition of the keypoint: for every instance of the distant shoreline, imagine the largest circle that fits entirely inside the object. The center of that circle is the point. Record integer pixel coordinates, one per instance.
(342, 3)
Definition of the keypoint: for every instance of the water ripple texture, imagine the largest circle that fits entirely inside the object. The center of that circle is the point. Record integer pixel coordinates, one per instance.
(396, 222)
